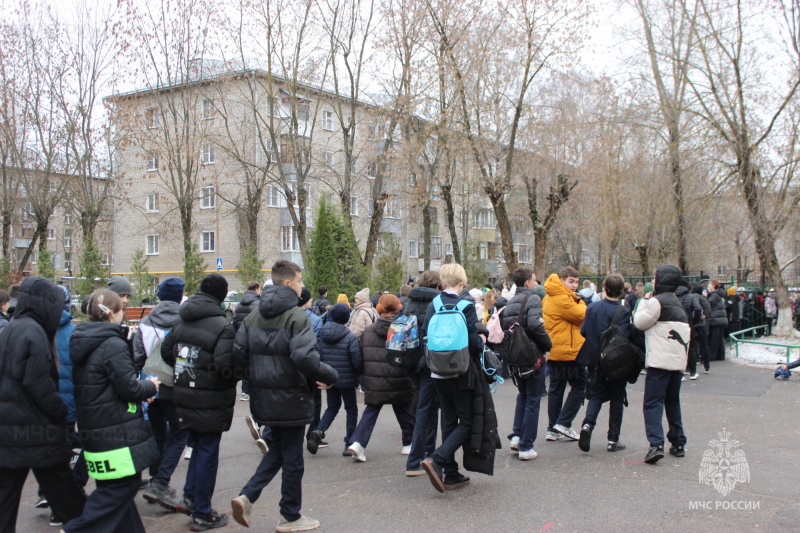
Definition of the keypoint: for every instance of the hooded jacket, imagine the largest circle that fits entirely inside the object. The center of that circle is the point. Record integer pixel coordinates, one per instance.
(33, 429)
(199, 350)
(534, 324)
(563, 312)
(691, 304)
(156, 325)
(698, 290)
(247, 305)
(364, 315)
(276, 349)
(117, 440)
(664, 322)
(589, 294)
(339, 348)
(719, 315)
(383, 382)
(65, 388)
(599, 316)
(419, 298)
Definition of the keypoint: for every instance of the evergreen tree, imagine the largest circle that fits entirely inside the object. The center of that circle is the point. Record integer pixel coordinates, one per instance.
(389, 267)
(194, 270)
(250, 266)
(46, 267)
(93, 273)
(7, 275)
(141, 278)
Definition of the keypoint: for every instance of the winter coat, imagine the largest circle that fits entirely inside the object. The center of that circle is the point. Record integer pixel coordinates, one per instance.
(698, 290)
(363, 315)
(320, 306)
(475, 341)
(117, 440)
(339, 348)
(563, 312)
(534, 323)
(246, 305)
(383, 382)
(599, 316)
(734, 307)
(199, 350)
(3, 321)
(484, 440)
(419, 298)
(664, 322)
(65, 388)
(276, 349)
(33, 430)
(770, 307)
(630, 300)
(157, 324)
(719, 317)
(588, 295)
(316, 322)
(691, 304)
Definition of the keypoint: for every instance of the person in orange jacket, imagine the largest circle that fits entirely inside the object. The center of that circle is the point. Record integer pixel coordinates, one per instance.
(563, 311)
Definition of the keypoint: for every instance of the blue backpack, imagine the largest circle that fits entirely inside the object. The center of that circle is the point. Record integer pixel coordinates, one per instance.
(448, 339)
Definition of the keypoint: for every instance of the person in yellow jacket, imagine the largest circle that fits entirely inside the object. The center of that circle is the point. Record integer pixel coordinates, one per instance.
(563, 312)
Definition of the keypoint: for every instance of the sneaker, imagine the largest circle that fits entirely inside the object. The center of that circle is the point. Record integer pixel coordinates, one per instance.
(304, 523)
(585, 439)
(323, 444)
(252, 425)
(188, 454)
(406, 450)
(42, 503)
(655, 454)
(683, 378)
(55, 522)
(706, 371)
(313, 441)
(144, 484)
(514, 445)
(159, 493)
(643, 372)
(212, 521)
(567, 432)
(357, 452)
(434, 472)
(183, 506)
(677, 451)
(244, 397)
(615, 446)
(693, 376)
(528, 455)
(346, 452)
(456, 481)
(415, 472)
(262, 445)
(553, 436)
(241, 507)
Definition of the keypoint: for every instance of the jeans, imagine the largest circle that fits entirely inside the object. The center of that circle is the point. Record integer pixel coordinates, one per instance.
(202, 474)
(694, 351)
(456, 407)
(403, 413)
(245, 386)
(662, 392)
(423, 441)
(57, 484)
(561, 373)
(335, 398)
(602, 391)
(285, 453)
(317, 412)
(111, 507)
(164, 421)
(702, 346)
(526, 414)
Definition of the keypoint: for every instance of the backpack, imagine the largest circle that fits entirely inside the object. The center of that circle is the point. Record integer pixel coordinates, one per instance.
(155, 364)
(619, 357)
(586, 299)
(448, 339)
(523, 356)
(495, 327)
(402, 342)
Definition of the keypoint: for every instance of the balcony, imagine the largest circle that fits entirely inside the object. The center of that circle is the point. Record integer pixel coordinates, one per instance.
(21, 243)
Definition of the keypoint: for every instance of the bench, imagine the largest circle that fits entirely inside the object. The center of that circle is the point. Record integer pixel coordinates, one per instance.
(134, 314)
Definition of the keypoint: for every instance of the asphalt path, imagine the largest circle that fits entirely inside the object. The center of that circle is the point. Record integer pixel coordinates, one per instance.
(564, 490)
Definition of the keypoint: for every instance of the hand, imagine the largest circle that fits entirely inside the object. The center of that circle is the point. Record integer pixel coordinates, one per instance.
(483, 337)
(151, 400)
(547, 355)
(784, 367)
(156, 381)
(322, 386)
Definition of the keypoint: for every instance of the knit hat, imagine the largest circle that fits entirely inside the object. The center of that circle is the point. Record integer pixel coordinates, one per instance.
(121, 285)
(339, 313)
(389, 305)
(342, 299)
(731, 291)
(67, 299)
(476, 294)
(215, 285)
(648, 287)
(305, 296)
(171, 289)
(363, 295)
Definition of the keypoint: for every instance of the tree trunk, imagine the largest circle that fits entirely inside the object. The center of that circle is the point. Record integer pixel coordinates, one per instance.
(426, 232)
(677, 188)
(447, 195)
(504, 225)
(27, 255)
(540, 252)
(378, 203)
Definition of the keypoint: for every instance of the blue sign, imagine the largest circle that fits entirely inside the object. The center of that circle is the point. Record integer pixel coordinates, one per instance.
(219, 263)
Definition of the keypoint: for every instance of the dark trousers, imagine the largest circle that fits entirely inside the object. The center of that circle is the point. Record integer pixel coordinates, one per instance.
(662, 392)
(317, 411)
(423, 441)
(716, 343)
(694, 351)
(702, 346)
(285, 453)
(526, 414)
(111, 507)
(403, 413)
(170, 438)
(201, 478)
(561, 373)
(245, 386)
(600, 392)
(57, 484)
(456, 407)
(335, 398)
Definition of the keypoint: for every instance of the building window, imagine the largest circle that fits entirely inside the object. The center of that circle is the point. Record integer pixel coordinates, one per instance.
(51, 234)
(272, 152)
(152, 117)
(376, 130)
(67, 220)
(106, 260)
(436, 247)
(208, 199)
(289, 240)
(327, 160)
(26, 212)
(208, 109)
(448, 248)
(152, 203)
(372, 170)
(412, 249)
(524, 253)
(67, 261)
(327, 120)
(392, 209)
(207, 154)
(275, 197)
(67, 238)
(483, 251)
(354, 206)
(151, 244)
(274, 107)
(208, 241)
(434, 214)
(302, 111)
(484, 219)
(152, 162)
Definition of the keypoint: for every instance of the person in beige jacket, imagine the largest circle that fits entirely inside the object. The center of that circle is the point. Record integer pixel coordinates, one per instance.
(364, 315)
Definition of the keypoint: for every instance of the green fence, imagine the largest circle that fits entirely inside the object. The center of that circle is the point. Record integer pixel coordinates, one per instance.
(752, 333)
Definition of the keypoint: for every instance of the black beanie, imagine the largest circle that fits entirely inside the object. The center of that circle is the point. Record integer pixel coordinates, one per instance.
(216, 286)
(305, 296)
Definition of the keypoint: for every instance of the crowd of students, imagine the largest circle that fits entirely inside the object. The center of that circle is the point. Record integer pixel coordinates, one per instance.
(140, 399)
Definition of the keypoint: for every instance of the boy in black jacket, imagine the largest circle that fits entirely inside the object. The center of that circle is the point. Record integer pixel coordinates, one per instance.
(277, 349)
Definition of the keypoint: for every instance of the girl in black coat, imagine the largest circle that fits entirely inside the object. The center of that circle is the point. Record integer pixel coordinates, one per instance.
(118, 442)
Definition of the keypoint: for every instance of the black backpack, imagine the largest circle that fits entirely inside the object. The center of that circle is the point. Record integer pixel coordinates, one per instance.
(523, 356)
(619, 357)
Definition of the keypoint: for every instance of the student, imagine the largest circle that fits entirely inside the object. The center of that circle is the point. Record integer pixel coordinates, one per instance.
(666, 329)
(5, 303)
(122, 287)
(321, 304)
(526, 414)
(118, 442)
(719, 321)
(199, 349)
(364, 313)
(248, 302)
(278, 349)
(563, 312)
(599, 316)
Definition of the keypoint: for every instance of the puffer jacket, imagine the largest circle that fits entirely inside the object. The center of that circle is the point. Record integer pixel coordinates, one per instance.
(276, 349)
(383, 383)
(534, 323)
(563, 312)
(364, 315)
(698, 290)
(117, 440)
(65, 388)
(3, 321)
(419, 298)
(719, 316)
(33, 430)
(664, 322)
(691, 304)
(246, 305)
(599, 316)
(199, 350)
(153, 327)
(339, 348)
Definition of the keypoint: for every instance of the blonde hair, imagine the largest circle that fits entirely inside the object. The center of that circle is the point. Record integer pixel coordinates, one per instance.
(452, 274)
(102, 304)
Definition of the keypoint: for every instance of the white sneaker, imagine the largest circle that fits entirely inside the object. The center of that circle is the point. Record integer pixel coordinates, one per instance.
(406, 450)
(552, 436)
(262, 445)
(528, 455)
(567, 432)
(514, 444)
(304, 523)
(357, 451)
(188, 454)
(252, 426)
(693, 376)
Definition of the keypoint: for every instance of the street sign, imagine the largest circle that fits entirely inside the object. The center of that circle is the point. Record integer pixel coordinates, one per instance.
(219, 263)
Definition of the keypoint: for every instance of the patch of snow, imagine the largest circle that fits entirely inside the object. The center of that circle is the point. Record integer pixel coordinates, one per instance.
(763, 355)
